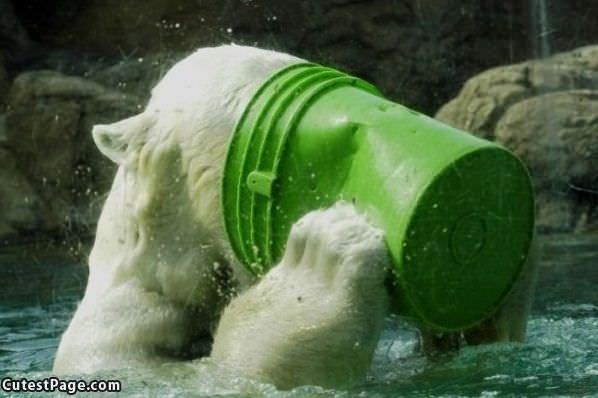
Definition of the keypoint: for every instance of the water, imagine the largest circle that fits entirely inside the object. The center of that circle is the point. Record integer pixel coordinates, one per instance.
(559, 359)
(541, 29)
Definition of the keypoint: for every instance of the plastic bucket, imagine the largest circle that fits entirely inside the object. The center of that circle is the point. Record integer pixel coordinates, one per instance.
(457, 211)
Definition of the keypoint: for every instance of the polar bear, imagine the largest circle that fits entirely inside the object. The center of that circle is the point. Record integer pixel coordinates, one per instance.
(163, 282)
(161, 270)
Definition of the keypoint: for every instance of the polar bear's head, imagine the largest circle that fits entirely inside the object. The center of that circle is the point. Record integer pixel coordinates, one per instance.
(162, 220)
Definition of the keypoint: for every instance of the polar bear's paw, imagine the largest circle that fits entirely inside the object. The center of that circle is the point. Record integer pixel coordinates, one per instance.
(315, 318)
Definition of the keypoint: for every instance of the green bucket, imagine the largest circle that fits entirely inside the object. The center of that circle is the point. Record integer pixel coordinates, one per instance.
(457, 211)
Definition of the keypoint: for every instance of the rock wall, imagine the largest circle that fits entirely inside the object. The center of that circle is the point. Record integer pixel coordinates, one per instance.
(65, 65)
(53, 176)
(417, 51)
(546, 111)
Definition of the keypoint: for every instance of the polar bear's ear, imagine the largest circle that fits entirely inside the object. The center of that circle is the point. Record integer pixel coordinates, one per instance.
(113, 140)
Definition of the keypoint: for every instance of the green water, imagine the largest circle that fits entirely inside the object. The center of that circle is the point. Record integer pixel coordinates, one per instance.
(39, 293)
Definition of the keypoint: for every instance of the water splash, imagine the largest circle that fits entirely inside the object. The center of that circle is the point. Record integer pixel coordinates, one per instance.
(559, 358)
(541, 28)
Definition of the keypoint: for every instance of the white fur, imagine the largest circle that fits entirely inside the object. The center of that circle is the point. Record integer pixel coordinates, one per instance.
(161, 270)
(316, 317)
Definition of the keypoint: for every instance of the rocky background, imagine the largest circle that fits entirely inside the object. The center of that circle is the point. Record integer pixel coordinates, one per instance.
(66, 65)
(546, 111)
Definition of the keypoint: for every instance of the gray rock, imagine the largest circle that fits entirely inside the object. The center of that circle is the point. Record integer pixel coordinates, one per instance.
(3, 80)
(480, 104)
(22, 208)
(546, 111)
(2, 129)
(417, 51)
(556, 133)
(48, 131)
